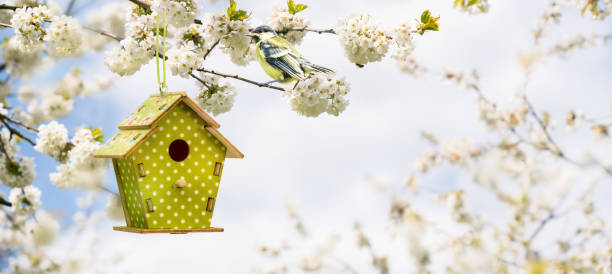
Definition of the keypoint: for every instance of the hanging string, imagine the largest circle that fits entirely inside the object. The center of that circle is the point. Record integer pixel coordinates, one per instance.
(163, 88)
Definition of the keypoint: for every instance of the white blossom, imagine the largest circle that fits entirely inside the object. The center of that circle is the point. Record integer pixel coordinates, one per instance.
(3, 111)
(19, 63)
(458, 151)
(364, 41)
(12, 237)
(183, 60)
(128, 58)
(232, 35)
(140, 28)
(26, 94)
(317, 94)
(528, 59)
(179, 13)
(214, 97)
(113, 208)
(56, 106)
(425, 161)
(28, 25)
(473, 6)
(82, 169)
(599, 9)
(282, 21)
(110, 18)
(17, 172)
(406, 62)
(5, 90)
(45, 229)
(402, 36)
(52, 139)
(65, 37)
(25, 201)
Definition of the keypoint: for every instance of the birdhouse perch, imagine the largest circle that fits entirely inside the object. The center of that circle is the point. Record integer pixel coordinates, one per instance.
(168, 158)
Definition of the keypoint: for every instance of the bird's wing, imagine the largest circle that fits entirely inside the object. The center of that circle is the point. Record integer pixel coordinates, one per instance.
(281, 55)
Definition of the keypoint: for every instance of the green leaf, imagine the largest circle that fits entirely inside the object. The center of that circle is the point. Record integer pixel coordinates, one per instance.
(425, 16)
(97, 135)
(428, 23)
(473, 2)
(232, 8)
(234, 14)
(300, 7)
(293, 8)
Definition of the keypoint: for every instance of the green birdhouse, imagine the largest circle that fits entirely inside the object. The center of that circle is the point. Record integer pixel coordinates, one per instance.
(168, 158)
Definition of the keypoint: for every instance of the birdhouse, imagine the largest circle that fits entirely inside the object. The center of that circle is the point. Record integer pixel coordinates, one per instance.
(168, 158)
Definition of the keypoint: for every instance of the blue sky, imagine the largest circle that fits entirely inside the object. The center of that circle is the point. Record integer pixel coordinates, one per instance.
(323, 162)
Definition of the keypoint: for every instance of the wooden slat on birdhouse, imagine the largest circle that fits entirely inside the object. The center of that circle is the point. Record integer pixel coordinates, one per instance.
(218, 167)
(141, 170)
(150, 207)
(210, 205)
(128, 220)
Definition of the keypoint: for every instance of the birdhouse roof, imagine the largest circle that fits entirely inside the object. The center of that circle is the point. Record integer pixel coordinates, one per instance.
(143, 122)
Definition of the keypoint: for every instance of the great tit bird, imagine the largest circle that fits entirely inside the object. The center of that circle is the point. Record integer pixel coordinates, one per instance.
(279, 59)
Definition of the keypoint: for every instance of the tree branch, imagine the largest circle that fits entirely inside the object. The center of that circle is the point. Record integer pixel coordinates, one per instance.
(210, 50)
(16, 132)
(112, 36)
(19, 123)
(5, 202)
(70, 6)
(141, 4)
(261, 85)
(542, 224)
(8, 7)
(307, 29)
(200, 80)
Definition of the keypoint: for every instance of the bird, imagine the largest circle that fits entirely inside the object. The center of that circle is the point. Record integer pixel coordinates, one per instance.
(279, 58)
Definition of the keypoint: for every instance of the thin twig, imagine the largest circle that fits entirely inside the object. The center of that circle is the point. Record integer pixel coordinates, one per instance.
(80, 8)
(141, 4)
(105, 189)
(210, 50)
(200, 80)
(70, 6)
(262, 85)
(542, 224)
(6, 25)
(16, 132)
(19, 123)
(307, 29)
(115, 37)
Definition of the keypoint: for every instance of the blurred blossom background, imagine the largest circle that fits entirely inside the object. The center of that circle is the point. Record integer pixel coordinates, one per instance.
(483, 149)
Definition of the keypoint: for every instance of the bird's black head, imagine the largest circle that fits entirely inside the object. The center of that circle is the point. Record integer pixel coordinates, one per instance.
(261, 32)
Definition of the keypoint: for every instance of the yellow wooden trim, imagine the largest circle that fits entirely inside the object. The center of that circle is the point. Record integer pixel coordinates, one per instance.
(195, 107)
(166, 230)
(170, 93)
(232, 151)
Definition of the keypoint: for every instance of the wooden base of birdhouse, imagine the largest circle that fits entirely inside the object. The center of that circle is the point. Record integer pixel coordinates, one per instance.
(165, 230)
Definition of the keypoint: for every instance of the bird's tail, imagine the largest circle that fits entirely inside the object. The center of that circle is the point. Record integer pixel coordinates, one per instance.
(310, 67)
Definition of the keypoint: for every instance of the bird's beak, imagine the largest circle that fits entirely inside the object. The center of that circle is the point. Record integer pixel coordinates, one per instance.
(251, 34)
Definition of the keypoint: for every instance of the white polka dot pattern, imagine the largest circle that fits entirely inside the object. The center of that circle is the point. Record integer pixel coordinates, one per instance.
(177, 208)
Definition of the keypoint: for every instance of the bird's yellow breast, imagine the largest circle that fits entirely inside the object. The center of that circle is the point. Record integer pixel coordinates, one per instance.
(271, 71)
(274, 73)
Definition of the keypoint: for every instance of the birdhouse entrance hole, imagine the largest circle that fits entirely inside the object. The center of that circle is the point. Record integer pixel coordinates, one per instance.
(178, 150)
